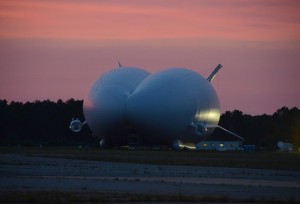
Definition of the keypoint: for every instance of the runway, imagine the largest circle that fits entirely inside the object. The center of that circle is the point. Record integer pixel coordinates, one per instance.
(39, 173)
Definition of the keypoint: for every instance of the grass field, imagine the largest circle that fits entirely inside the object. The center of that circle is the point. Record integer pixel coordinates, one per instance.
(257, 160)
(100, 197)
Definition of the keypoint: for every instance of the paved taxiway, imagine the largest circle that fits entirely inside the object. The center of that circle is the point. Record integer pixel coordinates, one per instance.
(25, 172)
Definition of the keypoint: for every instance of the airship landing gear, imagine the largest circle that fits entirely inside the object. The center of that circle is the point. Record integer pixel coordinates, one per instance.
(105, 144)
(177, 145)
(108, 144)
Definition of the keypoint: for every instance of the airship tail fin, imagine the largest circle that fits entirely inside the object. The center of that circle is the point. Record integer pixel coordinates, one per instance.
(119, 63)
(213, 74)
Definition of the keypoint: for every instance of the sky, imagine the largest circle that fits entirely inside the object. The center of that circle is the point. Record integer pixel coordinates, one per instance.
(56, 49)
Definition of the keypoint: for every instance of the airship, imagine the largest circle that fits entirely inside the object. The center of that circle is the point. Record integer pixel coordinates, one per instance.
(176, 107)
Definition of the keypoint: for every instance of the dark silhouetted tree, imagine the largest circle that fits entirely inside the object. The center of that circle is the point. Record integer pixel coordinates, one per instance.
(47, 123)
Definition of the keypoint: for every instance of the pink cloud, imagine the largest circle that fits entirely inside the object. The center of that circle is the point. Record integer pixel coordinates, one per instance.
(139, 20)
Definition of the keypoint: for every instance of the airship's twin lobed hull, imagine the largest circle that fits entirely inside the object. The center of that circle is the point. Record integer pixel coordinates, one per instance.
(162, 108)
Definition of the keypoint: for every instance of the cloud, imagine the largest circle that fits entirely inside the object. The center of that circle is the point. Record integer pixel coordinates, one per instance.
(141, 20)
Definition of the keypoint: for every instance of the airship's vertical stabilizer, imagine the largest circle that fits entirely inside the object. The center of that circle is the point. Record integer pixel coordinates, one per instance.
(214, 73)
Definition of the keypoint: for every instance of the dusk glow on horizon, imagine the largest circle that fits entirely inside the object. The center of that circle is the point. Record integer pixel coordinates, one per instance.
(57, 49)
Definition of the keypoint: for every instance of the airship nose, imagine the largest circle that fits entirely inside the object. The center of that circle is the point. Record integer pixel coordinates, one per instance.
(105, 109)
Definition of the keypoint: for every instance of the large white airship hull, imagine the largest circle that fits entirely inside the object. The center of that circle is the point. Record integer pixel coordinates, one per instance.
(170, 107)
(166, 103)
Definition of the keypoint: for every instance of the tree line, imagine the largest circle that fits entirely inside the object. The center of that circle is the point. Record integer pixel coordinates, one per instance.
(43, 123)
(46, 123)
(264, 131)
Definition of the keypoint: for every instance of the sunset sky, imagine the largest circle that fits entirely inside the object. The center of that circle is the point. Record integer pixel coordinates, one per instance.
(56, 49)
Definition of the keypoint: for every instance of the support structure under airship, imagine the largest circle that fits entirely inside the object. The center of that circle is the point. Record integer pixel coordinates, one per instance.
(174, 107)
